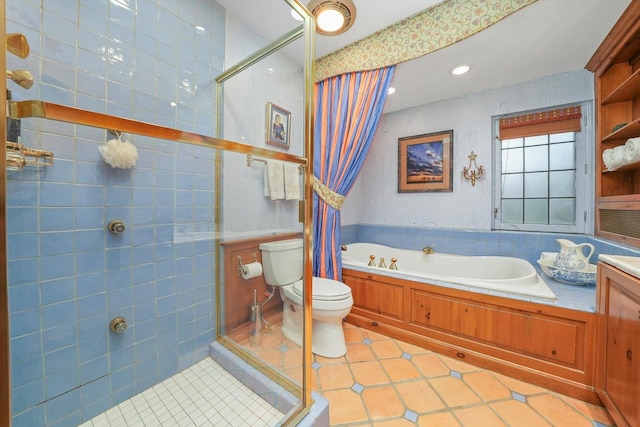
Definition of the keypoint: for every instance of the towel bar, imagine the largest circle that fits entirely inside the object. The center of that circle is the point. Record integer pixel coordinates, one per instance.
(251, 159)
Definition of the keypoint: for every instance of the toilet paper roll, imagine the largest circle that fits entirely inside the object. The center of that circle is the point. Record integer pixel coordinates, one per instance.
(251, 270)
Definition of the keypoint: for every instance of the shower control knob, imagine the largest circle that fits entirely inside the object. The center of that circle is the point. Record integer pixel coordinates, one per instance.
(118, 325)
(116, 226)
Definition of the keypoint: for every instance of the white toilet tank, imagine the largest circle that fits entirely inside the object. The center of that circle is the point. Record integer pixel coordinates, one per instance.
(282, 261)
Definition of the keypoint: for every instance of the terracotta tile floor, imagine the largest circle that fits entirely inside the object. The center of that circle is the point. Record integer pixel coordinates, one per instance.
(386, 382)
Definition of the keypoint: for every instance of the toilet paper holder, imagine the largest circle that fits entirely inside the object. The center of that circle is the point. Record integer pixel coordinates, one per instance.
(241, 268)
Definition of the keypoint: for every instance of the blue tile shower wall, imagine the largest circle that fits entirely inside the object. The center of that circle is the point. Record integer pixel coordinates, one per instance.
(68, 276)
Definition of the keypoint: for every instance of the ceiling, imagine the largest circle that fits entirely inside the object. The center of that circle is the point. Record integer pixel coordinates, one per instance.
(544, 38)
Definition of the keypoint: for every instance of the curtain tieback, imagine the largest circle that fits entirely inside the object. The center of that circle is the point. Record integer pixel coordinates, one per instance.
(330, 197)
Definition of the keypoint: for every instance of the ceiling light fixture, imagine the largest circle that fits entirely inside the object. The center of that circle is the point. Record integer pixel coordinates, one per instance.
(334, 16)
(391, 90)
(459, 70)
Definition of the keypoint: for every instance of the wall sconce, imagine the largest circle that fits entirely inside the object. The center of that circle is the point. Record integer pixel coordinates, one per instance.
(476, 172)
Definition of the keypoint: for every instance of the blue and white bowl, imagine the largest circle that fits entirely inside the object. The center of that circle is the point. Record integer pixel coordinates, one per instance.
(571, 277)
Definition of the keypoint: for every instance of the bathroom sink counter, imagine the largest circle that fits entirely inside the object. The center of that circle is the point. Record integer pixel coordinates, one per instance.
(628, 264)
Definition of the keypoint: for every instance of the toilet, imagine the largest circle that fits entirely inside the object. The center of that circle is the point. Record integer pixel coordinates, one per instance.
(282, 262)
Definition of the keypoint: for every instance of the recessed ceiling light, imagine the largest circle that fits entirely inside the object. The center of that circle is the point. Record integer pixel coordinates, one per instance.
(200, 30)
(391, 90)
(458, 70)
(333, 16)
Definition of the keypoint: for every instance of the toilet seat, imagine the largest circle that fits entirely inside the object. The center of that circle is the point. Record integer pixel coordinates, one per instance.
(324, 289)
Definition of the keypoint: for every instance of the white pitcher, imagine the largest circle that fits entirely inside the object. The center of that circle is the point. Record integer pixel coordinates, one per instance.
(571, 255)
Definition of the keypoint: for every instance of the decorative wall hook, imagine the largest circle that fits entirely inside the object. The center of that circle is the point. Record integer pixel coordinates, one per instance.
(476, 172)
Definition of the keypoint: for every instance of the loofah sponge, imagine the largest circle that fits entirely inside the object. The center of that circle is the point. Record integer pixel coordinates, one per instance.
(119, 154)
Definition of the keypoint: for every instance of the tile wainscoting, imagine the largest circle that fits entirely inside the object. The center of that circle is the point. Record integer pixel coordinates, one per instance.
(526, 245)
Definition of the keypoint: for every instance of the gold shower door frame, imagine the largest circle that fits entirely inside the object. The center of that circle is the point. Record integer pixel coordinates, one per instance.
(307, 30)
(5, 363)
(41, 109)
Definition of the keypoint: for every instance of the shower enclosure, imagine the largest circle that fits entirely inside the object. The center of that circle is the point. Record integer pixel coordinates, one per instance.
(118, 244)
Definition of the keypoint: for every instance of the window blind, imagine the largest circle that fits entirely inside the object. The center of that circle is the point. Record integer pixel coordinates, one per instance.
(545, 122)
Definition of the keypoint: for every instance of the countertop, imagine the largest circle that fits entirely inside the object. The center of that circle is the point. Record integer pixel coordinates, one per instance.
(628, 264)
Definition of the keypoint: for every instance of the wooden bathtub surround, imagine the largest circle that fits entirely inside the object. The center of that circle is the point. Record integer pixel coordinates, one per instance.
(238, 292)
(549, 346)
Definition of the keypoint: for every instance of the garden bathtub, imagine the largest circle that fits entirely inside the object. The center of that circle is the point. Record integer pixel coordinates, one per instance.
(508, 275)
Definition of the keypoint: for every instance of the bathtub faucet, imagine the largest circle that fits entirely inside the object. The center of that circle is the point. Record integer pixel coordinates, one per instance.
(428, 250)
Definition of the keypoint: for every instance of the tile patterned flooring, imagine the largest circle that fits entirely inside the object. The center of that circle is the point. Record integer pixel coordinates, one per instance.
(204, 395)
(383, 382)
(380, 382)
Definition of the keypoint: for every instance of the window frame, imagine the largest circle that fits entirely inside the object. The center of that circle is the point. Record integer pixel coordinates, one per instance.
(584, 176)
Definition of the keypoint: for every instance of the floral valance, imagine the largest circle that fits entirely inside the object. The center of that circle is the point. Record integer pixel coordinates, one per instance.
(439, 26)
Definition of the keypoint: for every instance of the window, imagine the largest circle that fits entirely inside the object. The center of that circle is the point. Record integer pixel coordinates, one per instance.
(541, 174)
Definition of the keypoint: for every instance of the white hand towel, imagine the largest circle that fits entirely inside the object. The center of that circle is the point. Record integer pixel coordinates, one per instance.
(267, 192)
(274, 180)
(632, 150)
(291, 181)
(613, 158)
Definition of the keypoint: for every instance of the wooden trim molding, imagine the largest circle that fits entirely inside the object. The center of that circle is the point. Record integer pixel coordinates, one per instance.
(611, 46)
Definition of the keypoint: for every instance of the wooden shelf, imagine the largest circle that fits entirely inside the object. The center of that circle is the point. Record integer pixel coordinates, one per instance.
(617, 100)
(628, 90)
(627, 167)
(631, 130)
(622, 200)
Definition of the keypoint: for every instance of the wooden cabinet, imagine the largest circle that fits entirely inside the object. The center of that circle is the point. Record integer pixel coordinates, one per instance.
(378, 297)
(616, 65)
(543, 337)
(618, 375)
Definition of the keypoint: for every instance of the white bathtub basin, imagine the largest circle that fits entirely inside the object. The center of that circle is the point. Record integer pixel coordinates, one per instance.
(504, 274)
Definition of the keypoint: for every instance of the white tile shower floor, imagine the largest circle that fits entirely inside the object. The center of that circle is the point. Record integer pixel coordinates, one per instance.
(202, 395)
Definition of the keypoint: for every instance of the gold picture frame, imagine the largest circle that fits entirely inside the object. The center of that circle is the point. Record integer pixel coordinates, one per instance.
(278, 126)
(424, 162)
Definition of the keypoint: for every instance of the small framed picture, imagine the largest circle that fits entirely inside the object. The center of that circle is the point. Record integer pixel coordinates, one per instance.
(278, 126)
(424, 162)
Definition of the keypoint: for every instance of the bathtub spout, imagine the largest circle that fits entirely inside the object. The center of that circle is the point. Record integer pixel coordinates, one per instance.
(428, 250)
